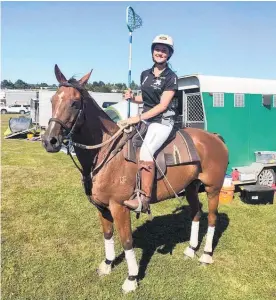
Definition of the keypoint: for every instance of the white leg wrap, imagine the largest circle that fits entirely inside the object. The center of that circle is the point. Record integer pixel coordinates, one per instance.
(130, 285)
(194, 234)
(109, 249)
(104, 268)
(206, 258)
(209, 239)
(131, 262)
(189, 252)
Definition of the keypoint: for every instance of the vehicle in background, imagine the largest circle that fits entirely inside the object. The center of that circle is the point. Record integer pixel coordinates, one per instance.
(15, 109)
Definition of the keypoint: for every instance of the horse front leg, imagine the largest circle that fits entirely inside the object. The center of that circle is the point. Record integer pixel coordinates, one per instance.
(107, 225)
(121, 215)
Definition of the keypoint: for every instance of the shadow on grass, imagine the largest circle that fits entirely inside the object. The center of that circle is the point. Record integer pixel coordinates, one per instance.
(163, 233)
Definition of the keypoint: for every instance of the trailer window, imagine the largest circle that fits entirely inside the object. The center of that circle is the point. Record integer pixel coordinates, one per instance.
(239, 100)
(218, 100)
(267, 99)
(274, 100)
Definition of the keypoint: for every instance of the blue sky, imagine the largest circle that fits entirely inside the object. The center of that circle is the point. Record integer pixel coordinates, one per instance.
(212, 38)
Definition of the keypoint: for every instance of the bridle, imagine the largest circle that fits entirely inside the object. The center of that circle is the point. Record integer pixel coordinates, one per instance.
(67, 140)
(68, 137)
(69, 131)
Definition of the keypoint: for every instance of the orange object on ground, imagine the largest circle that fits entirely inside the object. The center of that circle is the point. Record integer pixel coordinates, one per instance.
(226, 194)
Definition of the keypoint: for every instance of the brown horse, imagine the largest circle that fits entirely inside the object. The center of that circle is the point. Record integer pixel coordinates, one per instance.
(77, 116)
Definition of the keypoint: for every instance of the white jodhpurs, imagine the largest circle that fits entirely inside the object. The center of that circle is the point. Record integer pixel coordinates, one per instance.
(155, 137)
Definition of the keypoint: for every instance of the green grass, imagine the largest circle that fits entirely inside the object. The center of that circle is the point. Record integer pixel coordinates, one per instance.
(52, 241)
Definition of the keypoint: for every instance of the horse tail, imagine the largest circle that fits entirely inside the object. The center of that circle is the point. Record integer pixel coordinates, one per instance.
(220, 137)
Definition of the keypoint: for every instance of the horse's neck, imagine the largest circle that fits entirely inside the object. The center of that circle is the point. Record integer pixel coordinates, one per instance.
(98, 127)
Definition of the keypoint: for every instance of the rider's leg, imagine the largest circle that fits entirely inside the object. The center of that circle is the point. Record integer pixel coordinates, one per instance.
(155, 137)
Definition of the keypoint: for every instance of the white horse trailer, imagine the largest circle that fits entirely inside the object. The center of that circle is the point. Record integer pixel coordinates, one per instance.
(104, 100)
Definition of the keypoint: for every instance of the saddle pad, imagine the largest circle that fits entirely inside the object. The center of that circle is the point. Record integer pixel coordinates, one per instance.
(181, 150)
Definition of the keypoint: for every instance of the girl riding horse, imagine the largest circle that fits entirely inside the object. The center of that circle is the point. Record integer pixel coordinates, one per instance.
(158, 86)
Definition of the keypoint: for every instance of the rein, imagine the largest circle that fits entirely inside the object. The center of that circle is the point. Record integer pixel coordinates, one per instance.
(82, 146)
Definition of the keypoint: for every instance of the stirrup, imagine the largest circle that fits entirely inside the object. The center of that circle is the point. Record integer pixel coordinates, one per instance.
(137, 194)
(140, 206)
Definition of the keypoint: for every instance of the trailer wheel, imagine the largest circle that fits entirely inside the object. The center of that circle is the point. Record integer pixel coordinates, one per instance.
(267, 177)
(3, 111)
(22, 112)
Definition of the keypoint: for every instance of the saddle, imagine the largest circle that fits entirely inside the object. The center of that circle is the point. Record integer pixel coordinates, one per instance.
(179, 149)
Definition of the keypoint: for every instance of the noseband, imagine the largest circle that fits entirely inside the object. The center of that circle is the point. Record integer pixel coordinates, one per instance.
(69, 132)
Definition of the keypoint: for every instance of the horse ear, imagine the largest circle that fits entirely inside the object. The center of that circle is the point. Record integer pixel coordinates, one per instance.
(85, 78)
(60, 77)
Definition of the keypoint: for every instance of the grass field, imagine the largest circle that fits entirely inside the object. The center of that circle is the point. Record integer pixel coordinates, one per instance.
(52, 241)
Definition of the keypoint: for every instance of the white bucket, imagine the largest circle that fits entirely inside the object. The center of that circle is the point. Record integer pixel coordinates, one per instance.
(227, 181)
(120, 109)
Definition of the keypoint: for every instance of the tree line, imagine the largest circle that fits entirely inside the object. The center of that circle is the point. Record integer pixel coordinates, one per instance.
(96, 86)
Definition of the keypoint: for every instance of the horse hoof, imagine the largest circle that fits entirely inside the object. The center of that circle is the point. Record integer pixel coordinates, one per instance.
(206, 259)
(104, 269)
(203, 265)
(189, 253)
(129, 286)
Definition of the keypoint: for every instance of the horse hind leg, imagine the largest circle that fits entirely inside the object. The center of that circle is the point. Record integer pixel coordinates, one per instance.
(107, 225)
(196, 212)
(213, 200)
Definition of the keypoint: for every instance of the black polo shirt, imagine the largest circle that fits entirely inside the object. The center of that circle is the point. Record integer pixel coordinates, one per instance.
(152, 88)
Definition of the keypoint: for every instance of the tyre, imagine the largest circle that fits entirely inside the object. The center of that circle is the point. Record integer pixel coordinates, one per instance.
(22, 112)
(267, 177)
(3, 111)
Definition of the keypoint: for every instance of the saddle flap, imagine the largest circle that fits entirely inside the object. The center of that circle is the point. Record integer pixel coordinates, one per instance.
(131, 154)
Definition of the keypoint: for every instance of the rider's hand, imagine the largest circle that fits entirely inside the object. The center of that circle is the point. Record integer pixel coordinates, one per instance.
(129, 121)
(128, 94)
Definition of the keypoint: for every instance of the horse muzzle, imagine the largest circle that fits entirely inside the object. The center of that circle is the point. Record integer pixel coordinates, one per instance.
(52, 144)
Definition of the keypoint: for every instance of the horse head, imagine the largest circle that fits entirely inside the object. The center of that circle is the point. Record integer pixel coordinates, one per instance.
(67, 108)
